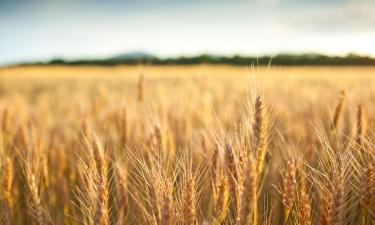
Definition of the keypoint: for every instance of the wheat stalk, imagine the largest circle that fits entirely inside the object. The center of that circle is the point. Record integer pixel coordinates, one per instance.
(361, 126)
(338, 110)
(233, 176)
(221, 199)
(304, 211)
(247, 214)
(167, 216)
(260, 133)
(101, 216)
(289, 188)
(6, 198)
(189, 202)
(141, 88)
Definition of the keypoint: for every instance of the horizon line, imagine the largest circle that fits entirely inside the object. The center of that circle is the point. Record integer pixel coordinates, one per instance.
(178, 55)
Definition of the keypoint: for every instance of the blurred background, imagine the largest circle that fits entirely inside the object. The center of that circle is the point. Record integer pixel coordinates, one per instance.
(45, 30)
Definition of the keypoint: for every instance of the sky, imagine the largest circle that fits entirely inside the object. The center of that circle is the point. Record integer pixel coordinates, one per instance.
(46, 29)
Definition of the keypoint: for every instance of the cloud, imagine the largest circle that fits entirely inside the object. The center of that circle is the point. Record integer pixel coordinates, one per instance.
(268, 3)
(347, 17)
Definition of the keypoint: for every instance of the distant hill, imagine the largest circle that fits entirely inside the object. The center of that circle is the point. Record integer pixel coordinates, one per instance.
(131, 55)
(133, 58)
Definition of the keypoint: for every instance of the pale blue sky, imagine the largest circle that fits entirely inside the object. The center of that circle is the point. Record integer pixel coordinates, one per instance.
(43, 29)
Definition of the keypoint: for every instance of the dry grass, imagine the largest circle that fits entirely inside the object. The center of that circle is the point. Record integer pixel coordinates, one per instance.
(187, 145)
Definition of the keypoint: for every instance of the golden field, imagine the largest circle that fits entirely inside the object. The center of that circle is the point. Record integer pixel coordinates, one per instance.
(187, 145)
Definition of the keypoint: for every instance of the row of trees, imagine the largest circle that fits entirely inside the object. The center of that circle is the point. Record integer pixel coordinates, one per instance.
(282, 59)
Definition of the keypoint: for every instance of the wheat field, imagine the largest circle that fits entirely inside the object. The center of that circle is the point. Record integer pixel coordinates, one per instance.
(187, 145)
